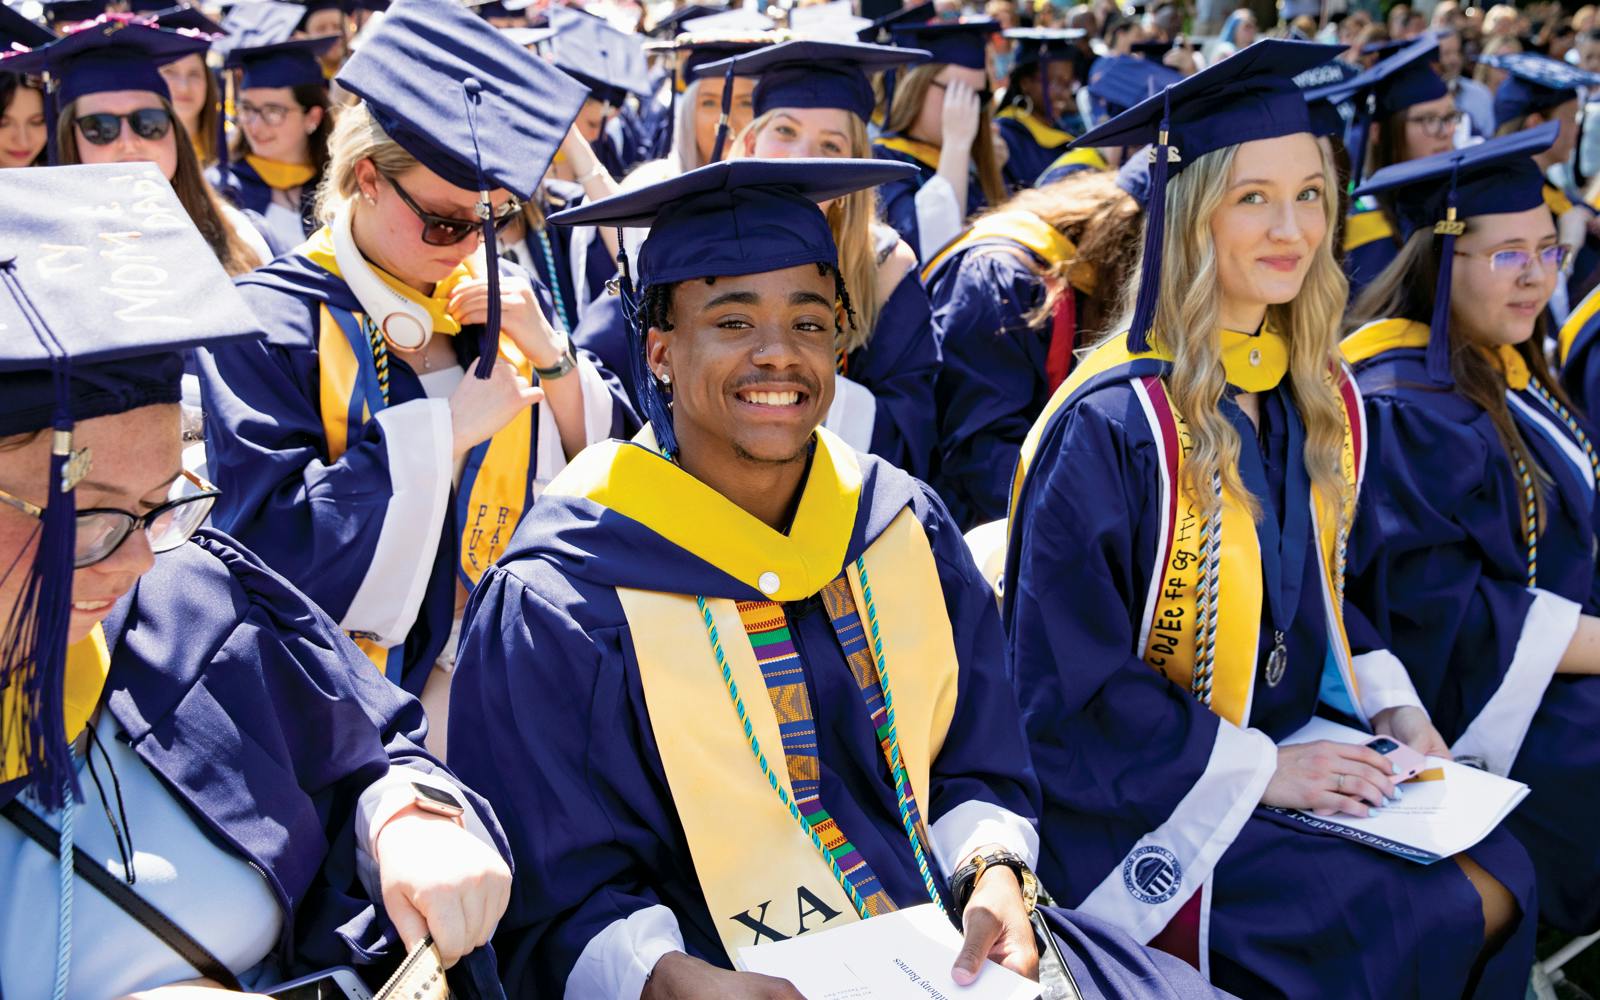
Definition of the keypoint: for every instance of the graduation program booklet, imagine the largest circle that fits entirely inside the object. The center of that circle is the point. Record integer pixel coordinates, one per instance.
(1443, 811)
(904, 955)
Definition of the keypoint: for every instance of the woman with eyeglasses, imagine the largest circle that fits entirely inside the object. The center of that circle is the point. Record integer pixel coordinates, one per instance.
(179, 724)
(279, 155)
(1473, 551)
(360, 449)
(115, 108)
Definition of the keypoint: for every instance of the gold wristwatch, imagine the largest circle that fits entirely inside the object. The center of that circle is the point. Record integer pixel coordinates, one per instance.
(966, 877)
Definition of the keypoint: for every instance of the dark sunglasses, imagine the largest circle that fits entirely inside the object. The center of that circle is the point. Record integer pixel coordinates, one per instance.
(103, 128)
(443, 231)
(102, 530)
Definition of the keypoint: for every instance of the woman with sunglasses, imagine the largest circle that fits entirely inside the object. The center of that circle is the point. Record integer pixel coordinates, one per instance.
(281, 150)
(1473, 551)
(360, 449)
(179, 720)
(115, 108)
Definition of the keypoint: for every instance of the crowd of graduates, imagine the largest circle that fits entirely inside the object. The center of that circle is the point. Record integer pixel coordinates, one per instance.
(592, 488)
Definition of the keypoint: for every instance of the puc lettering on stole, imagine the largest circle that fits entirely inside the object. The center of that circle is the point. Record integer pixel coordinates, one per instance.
(806, 906)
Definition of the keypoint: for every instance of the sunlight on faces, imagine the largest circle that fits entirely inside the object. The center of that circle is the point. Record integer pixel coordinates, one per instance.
(128, 147)
(390, 234)
(1419, 141)
(1501, 307)
(802, 133)
(1270, 223)
(708, 108)
(186, 85)
(751, 359)
(136, 457)
(22, 128)
(929, 126)
(290, 140)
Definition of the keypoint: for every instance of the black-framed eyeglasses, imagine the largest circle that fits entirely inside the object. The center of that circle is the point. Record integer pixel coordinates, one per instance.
(272, 114)
(102, 128)
(1553, 258)
(443, 231)
(101, 530)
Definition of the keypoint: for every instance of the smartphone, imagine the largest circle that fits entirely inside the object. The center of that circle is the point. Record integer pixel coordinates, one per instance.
(1411, 763)
(339, 983)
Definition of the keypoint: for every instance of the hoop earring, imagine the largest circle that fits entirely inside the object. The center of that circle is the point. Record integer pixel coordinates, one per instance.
(1026, 104)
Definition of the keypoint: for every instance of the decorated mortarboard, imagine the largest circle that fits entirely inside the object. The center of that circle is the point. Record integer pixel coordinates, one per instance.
(97, 305)
(112, 52)
(60, 12)
(959, 43)
(17, 32)
(879, 31)
(1441, 192)
(259, 22)
(294, 63)
(730, 218)
(1120, 82)
(1246, 97)
(1535, 83)
(186, 17)
(816, 74)
(606, 61)
(469, 104)
(671, 24)
(1402, 80)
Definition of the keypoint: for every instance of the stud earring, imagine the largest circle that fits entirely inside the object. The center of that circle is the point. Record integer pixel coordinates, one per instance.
(665, 377)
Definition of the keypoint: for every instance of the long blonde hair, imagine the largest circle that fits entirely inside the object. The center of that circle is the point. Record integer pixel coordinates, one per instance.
(909, 94)
(356, 136)
(850, 218)
(1187, 316)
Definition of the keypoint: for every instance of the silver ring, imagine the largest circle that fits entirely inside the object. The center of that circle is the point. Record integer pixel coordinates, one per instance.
(1338, 782)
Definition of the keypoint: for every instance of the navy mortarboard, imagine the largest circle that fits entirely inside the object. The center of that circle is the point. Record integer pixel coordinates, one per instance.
(187, 17)
(471, 105)
(959, 43)
(603, 59)
(1385, 48)
(730, 218)
(17, 31)
(1246, 97)
(880, 30)
(1401, 80)
(671, 24)
(736, 21)
(1041, 46)
(1120, 82)
(97, 306)
(59, 13)
(816, 74)
(1439, 193)
(1535, 83)
(292, 63)
(260, 22)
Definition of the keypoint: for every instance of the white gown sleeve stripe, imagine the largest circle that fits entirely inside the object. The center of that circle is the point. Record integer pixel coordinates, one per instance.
(853, 413)
(938, 217)
(597, 402)
(1383, 682)
(616, 962)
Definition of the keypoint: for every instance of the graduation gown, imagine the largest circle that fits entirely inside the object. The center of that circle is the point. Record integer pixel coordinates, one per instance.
(373, 534)
(1370, 244)
(887, 406)
(574, 264)
(1440, 566)
(249, 705)
(1575, 350)
(552, 710)
(1140, 777)
(1071, 162)
(282, 228)
(1031, 143)
(994, 381)
(923, 209)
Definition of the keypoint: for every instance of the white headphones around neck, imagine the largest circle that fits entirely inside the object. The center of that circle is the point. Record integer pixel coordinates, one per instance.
(405, 325)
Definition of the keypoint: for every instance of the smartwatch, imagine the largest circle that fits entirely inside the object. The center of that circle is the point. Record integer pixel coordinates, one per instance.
(437, 801)
(564, 364)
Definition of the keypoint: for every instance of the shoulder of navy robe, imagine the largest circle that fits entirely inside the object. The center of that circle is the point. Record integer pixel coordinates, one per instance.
(897, 200)
(1025, 159)
(1127, 758)
(549, 715)
(556, 246)
(318, 520)
(281, 228)
(992, 385)
(603, 332)
(268, 723)
(1369, 247)
(1580, 362)
(1439, 564)
(898, 366)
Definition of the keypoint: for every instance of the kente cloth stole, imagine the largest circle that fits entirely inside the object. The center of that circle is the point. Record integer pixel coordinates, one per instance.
(761, 876)
(88, 665)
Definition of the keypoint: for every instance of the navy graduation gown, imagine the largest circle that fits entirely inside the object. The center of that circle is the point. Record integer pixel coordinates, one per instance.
(282, 228)
(560, 733)
(993, 383)
(598, 268)
(1369, 247)
(261, 717)
(1125, 757)
(1439, 564)
(320, 522)
(1026, 159)
(898, 366)
(897, 201)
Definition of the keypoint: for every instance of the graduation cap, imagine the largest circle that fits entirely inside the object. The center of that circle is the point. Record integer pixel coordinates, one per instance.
(259, 22)
(729, 21)
(1386, 48)
(671, 24)
(816, 74)
(1442, 191)
(96, 306)
(1246, 97)
(603, 59)
(529, 37)
(1404, 79)
(959, 43)
(1536, 83)
(1038, 46)
(112, 52)
(17, 31)
(730, 218)
(879, 32)
(60, 12)
(1120, 82)
(471, 105)
(1153, 51)
(832, 21)
(294, 63)
(185, 17)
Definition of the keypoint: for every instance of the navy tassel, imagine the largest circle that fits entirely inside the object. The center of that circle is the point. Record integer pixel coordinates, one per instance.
(36, 634)
(1439, 326)
(1144, 307)
(489, 341)
(222, 77)
(722, 122)
(888, 95)
(653, 407)
(52, 114)
(1355, 141)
